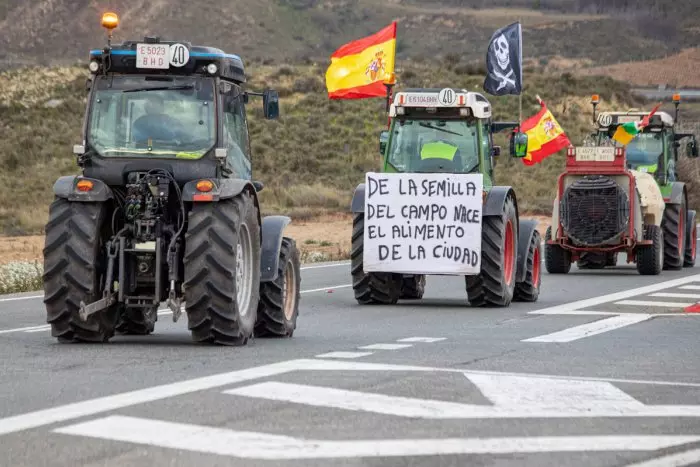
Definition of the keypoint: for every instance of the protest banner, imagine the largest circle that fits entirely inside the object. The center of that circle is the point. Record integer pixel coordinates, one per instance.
(423, 223)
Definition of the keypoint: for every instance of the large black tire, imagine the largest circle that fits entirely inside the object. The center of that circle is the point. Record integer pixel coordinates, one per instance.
(650, 259)
(673, 226)
(529, 289)
(412, 287)
(74, 268)
(279, 299)
(215, 311)
(495, 284)
(691, 241)
(556, 259)
(137, 321)
(373, 287)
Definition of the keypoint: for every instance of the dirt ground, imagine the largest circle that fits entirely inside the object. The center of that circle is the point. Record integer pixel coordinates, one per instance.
(321, 239)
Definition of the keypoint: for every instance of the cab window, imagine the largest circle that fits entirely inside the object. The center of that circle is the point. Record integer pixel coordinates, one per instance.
(235, 135)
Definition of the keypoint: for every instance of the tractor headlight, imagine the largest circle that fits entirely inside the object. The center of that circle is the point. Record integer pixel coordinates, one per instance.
(212, 68)
(94, 66)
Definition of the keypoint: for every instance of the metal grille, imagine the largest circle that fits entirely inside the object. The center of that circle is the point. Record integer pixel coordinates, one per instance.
(594, 211)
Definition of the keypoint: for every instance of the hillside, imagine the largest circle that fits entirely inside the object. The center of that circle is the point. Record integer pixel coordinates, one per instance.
(310, 160)
(60, 32)
(678, 70)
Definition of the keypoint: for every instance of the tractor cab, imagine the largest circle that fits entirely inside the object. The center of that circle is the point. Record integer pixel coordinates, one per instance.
(440, 130)
(655, 149)
(152, 102)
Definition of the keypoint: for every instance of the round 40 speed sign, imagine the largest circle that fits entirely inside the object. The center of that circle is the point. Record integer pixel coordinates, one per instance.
(179, 55)
(447, 96)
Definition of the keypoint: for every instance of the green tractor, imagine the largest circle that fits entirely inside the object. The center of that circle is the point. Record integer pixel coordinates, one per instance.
(165, 209)
(655, 151)
(450, 131)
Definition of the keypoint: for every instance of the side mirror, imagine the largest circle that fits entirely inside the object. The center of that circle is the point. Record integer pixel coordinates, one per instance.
(383, 139)
(258, 185)
(496, 151)
(271, 104)
(692, 149)
(518, 145)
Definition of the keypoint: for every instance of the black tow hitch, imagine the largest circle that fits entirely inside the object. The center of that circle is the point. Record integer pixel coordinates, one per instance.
(108, 296)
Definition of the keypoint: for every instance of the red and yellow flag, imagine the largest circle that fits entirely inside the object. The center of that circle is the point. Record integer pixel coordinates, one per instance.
(359, 69)
(545, 136)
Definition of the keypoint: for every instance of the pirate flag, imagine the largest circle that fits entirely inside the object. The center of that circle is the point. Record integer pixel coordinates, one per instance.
(504, 61)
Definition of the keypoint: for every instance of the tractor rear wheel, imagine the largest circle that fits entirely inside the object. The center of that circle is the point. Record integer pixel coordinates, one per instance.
(413, 287)
(74, 269)
(371, 287)
(673, 226)
(556, 259)
(222, 270)
(137, 321)
(691, 241)
(529, 289)
(650, 259)
(279, 299)
(495, 283)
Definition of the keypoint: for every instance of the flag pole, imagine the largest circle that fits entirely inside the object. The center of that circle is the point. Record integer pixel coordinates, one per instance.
(520, 95)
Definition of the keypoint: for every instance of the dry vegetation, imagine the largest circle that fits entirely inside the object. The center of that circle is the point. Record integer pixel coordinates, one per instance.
(310, 160)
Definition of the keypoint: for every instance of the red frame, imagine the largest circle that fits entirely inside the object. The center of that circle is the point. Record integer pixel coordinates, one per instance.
(628, 242)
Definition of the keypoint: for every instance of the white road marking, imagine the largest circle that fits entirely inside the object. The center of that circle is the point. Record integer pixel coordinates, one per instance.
(653, 303)
(344, 354)
(89, 407)
(161, 312)
(385, 346)
(676, 295)
(40, 329)
(321, 289)
(512, 397)
(690, 287)
(28, 328)
(678, 459)
(422, 339)
(26, 297)
(252, 445)
(576, 312)
(321, 266)
(594, 301)
(591, 329)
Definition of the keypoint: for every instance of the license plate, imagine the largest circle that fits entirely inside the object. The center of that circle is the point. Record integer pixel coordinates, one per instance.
(153, 56)
(595, 154)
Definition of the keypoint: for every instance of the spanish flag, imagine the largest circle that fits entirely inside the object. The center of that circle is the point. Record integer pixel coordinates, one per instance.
(545, 136)
(359, 69)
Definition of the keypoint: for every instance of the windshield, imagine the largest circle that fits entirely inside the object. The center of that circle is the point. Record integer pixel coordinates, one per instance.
(415, 142)
(155, 117)
(644, 149)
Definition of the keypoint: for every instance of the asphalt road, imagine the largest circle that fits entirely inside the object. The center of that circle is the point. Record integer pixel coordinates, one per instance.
(602, 371)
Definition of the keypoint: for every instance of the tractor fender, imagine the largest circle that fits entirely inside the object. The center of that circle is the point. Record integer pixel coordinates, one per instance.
(526, 230)
(272, 232)
(224, 188)
(677, 193)
(65, 187)
(358, 199)
(496, 199)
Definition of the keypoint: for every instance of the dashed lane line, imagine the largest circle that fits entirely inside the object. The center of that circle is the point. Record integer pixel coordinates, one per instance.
(591, 329)
(347, 355)
(654, 303)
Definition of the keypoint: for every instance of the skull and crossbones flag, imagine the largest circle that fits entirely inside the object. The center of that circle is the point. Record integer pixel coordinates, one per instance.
(504, 61)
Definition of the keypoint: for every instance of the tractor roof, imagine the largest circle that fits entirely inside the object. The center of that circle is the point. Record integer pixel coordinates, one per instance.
(153, 56)
(607, 119)
(447, 98)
